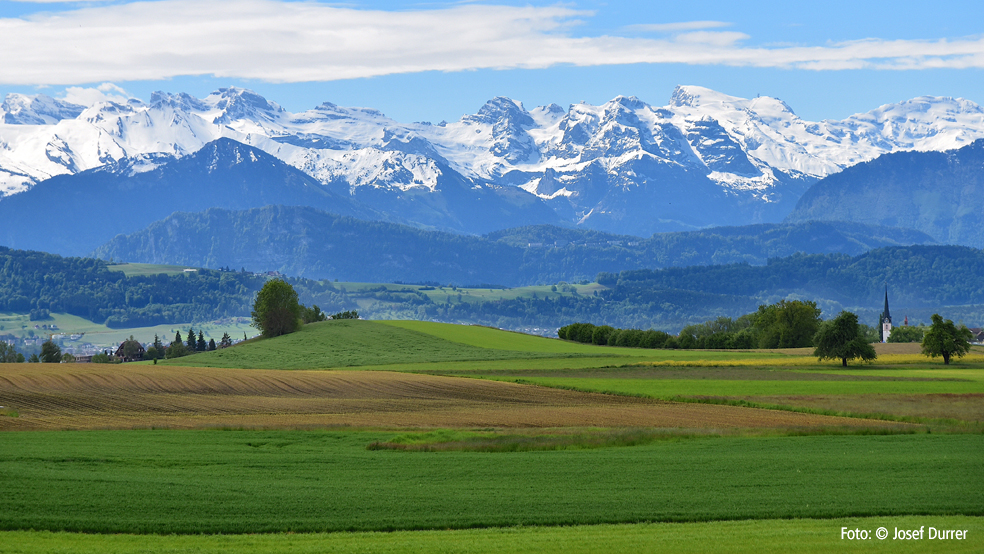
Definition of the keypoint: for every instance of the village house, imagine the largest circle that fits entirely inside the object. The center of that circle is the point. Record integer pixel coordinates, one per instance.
(137, 351)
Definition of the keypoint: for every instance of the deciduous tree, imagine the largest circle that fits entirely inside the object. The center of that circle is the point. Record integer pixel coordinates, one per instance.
(842, 338)
(312, 314)
(50, 353)
(906, 333)
(787, 324)
(946, 339)
(276, 310)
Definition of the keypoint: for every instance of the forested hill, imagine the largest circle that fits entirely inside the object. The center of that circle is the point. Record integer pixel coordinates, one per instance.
(939, 193)
(40, 283)
(307, 242)
(921, 280)
(916, 276)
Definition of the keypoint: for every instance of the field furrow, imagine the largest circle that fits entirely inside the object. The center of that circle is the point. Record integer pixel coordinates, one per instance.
(106, 397)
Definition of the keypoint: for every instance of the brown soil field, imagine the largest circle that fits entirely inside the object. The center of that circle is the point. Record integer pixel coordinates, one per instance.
(964, 407)
(76, 396)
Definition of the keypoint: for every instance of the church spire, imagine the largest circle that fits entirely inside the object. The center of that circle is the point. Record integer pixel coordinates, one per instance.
(885, 320)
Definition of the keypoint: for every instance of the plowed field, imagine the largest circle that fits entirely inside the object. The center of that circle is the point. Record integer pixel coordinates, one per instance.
(75, 396)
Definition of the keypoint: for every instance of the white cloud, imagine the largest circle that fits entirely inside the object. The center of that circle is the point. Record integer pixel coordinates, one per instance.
(106, 92)
(304, 41)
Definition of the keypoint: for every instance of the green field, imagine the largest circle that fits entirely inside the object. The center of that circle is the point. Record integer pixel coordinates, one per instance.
(324, 491)
(668, 388)
(148, 269)
(352, 343)
(311, 481)
(767, 536)
(443, 294)
(419, 345)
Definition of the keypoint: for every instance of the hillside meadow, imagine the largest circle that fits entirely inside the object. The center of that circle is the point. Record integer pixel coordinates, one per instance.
(472, 439)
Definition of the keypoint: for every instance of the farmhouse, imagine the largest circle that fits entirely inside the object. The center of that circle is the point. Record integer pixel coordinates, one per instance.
(135, 349)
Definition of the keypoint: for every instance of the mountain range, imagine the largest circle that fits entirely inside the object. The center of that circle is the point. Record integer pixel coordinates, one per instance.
(306, 242)
(626, 167)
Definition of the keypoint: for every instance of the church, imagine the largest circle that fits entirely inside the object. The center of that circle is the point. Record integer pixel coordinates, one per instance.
(885, 320)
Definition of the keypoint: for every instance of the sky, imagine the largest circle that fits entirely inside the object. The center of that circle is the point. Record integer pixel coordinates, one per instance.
(434, 61)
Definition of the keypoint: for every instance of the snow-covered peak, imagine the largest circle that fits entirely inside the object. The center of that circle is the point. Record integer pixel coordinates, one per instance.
(180, 101)
(691, 96)
(736, 142)
(547, 116)
(235, 104)
(502, 110)
(40, 109)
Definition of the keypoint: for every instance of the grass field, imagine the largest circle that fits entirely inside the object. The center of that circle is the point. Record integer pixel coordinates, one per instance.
(277, 481)
(405, 344)
(352, 343)
(285, 452)
(148, 269)
(766, 536)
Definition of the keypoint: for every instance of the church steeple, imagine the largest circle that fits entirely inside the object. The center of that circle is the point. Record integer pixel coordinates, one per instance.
(887, 316)
(885, 320)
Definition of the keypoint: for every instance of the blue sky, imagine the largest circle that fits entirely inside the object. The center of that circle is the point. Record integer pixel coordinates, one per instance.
(439, 60)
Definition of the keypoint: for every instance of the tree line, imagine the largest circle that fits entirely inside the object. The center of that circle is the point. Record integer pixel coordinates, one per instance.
(785, 324)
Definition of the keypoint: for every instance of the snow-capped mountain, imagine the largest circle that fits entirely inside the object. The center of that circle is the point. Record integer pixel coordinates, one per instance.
(626, 166)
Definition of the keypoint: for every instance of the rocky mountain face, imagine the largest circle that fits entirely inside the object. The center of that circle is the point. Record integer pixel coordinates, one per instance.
(938, 193)
(628, 167)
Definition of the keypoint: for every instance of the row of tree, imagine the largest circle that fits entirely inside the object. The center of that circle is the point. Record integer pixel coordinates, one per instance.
(607, 335)
(785, 324)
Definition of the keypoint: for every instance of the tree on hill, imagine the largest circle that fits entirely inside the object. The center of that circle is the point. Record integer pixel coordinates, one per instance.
(191, 343)
(211, 345)
(201, 345)
(842, 338)
(276, 310)
(312, 314)
(226, 341)
(350, 314)
(176, 350)
(946, 339)
(50, 353)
